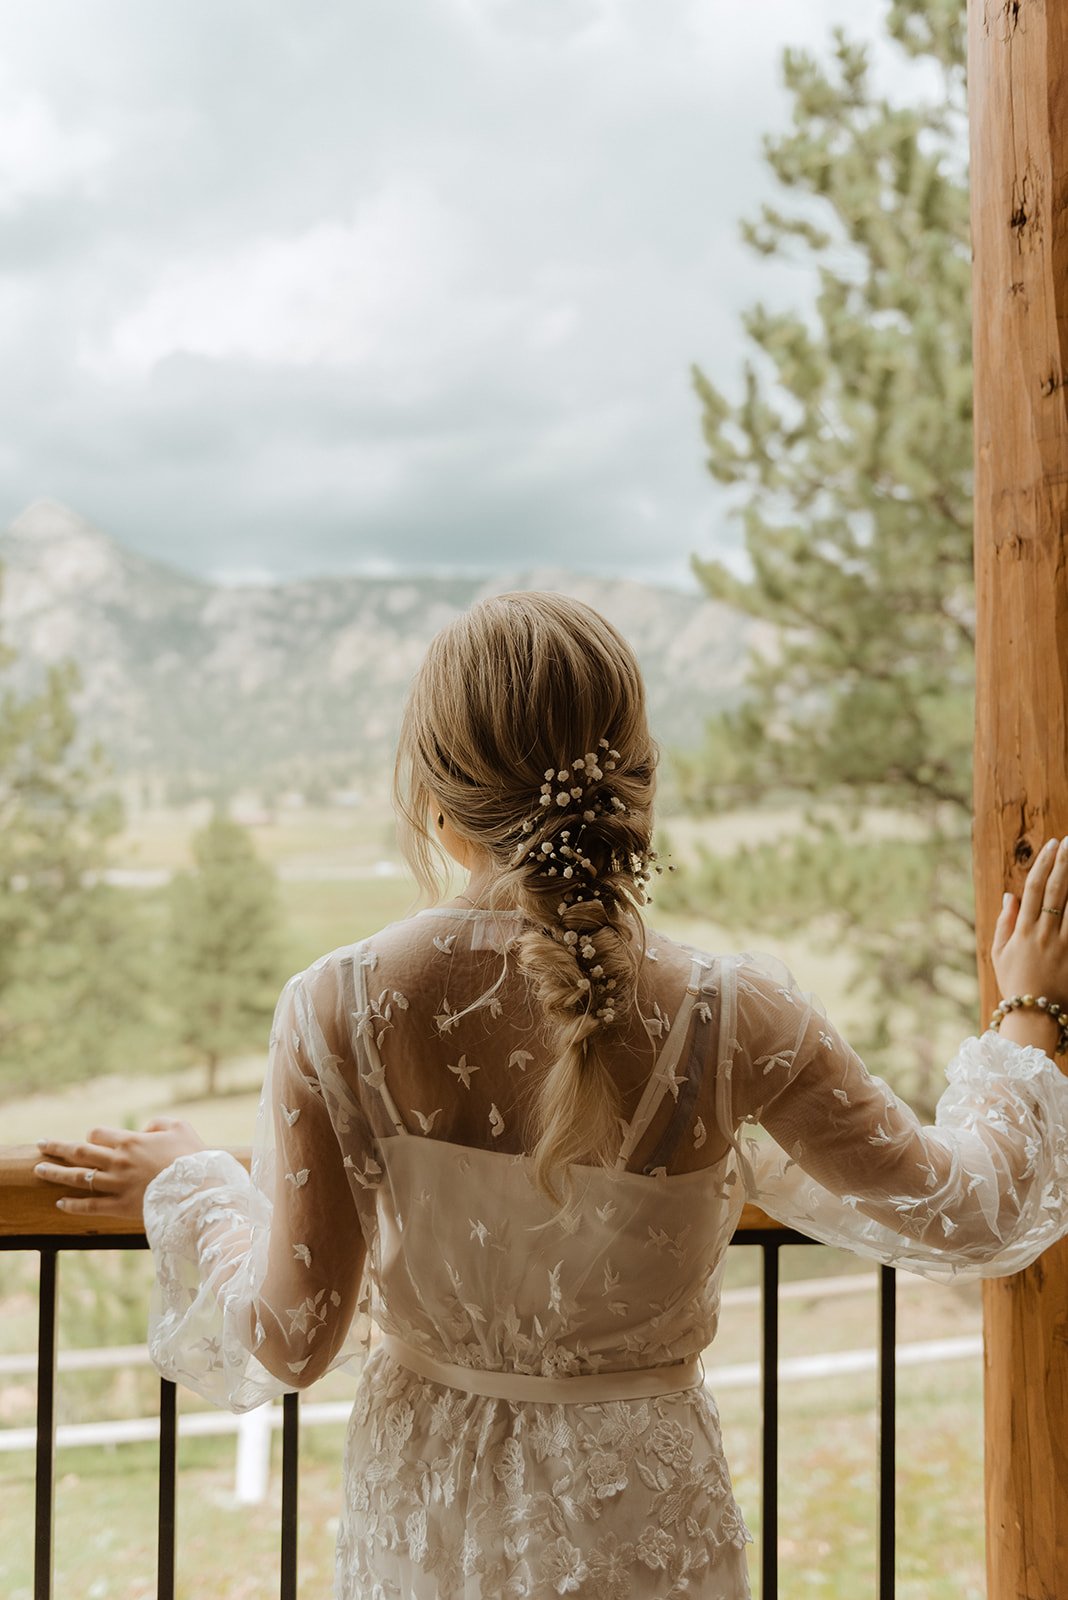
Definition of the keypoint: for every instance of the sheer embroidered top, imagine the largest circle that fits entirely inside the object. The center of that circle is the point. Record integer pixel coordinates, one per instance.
(389, 1182)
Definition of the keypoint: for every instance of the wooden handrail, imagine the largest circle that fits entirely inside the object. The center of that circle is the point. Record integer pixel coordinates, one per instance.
(28, 1205)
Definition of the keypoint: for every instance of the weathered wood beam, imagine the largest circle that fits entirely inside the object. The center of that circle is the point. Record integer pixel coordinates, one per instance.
(1018, 92)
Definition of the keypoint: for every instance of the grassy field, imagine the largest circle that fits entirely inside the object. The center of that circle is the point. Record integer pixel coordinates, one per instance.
(338, 881)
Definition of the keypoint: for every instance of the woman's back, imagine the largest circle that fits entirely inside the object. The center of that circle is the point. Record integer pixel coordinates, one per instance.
(540, 1368)
(473, 1262)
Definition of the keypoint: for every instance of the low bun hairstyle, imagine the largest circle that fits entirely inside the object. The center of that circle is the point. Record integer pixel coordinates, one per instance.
(526, 724)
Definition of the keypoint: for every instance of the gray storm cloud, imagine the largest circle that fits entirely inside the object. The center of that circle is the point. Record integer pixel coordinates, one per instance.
(294, 291)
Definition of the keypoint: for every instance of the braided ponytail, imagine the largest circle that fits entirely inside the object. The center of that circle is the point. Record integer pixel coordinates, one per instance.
(505, 697)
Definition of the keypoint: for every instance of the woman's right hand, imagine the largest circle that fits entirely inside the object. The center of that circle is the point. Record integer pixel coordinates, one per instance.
(1030, 948)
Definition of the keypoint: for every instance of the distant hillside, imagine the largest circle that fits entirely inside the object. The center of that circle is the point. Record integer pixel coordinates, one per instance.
(281, 682)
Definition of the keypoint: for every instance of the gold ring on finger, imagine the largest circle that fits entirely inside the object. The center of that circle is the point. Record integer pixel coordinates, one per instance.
(89, 1177)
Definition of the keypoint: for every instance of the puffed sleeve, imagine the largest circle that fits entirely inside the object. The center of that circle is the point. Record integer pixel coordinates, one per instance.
(980, 1193)
(260, 1285)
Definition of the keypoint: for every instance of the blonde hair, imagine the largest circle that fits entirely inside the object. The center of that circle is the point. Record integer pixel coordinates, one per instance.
(520, 684)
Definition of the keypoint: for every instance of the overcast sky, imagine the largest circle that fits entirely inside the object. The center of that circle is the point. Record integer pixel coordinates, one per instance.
(291, 289)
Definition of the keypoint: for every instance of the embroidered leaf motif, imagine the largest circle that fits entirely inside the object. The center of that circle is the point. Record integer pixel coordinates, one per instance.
(367, 1179)
(700, 1134)
(374, 1020)
(290, 1116)
(519, 1058)
(298, 1179)
(496, 1122)
(444, 943)
(426, 1123)
(302, 1253)
(446, 1018)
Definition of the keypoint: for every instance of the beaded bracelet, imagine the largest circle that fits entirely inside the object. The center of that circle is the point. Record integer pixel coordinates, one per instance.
(1027, 1001)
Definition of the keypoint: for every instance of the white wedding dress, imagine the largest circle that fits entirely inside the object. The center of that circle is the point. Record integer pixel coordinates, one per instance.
(531, 1418)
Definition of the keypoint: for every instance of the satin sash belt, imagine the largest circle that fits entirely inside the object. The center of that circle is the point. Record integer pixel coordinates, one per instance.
(630, 1385)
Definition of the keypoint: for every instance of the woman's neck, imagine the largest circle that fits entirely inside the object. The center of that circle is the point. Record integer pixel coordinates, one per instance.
(478, 891)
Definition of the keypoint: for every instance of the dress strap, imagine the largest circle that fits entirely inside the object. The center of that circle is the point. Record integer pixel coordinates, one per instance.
(364, 1035)
(663, 1076)
(634, 1384)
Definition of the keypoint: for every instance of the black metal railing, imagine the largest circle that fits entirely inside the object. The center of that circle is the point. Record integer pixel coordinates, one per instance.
(769, 1239)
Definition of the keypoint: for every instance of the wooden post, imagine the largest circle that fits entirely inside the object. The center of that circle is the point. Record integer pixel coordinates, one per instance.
(1018, 93)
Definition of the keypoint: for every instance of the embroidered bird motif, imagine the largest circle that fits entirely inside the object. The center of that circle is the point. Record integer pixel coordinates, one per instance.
(463, 1070)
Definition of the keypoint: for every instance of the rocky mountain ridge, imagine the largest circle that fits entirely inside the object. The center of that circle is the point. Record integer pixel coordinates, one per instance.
(283, 682)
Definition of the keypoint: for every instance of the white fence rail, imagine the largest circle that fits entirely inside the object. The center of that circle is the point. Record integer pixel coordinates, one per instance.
(254, 1428)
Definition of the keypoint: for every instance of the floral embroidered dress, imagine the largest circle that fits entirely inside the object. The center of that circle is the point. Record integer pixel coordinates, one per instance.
(531, 1417)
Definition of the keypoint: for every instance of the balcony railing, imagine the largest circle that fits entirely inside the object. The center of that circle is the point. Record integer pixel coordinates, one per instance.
(29, 1221)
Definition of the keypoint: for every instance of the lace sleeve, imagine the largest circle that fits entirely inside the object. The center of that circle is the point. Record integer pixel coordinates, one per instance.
(258, 1276)
(980, 1193)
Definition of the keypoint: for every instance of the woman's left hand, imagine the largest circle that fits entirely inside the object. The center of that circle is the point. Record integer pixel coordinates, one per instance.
(110, 1171)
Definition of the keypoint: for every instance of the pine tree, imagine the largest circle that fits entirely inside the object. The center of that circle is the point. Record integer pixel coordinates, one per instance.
(850, 457)
(70, 1001)
(224, 936)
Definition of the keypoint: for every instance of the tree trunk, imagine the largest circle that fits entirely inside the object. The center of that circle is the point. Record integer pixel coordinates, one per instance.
(1018, 88)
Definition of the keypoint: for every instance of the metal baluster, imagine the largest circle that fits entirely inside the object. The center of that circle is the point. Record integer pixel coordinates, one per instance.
(290, 1445)
(45, 1483)
(769, 1382)
(887, 1428)
(168, 1464)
